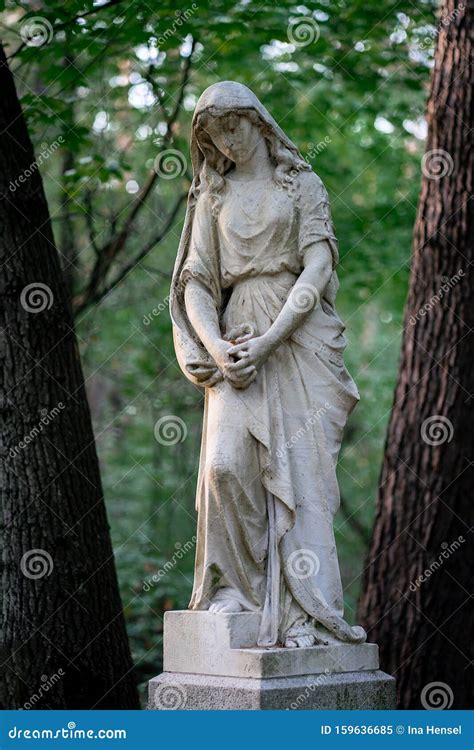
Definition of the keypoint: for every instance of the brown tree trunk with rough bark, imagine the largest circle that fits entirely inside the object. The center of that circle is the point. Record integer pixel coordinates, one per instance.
(64, 643)
(418, 581)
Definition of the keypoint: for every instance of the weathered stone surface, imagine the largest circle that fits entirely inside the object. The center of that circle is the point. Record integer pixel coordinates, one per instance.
(258, 235)
(348, 691)
(209, 644)
(252, 303)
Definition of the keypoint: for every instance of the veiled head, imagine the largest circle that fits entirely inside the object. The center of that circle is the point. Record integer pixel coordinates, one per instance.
(229, 122)
(235, 135)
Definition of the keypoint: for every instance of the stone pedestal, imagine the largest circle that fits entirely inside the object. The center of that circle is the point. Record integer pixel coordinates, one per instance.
(210, 662)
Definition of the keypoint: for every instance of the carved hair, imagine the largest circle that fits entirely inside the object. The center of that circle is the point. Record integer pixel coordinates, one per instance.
(215, 166)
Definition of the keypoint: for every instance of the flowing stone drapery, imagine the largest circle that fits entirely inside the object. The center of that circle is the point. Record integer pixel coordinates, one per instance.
(267, 489)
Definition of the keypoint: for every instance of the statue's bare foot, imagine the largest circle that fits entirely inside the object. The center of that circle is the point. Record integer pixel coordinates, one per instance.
(300, 641)
(225, 605)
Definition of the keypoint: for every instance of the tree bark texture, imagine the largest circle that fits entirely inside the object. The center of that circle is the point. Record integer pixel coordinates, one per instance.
(64, 643)
(416, 600)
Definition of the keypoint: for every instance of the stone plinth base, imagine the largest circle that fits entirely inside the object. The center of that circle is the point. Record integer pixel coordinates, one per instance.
(343, 691)
(224, 644)
(211, 662)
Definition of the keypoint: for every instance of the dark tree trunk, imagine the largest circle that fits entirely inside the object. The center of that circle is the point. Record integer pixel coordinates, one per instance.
(416, 591)
(64, 643)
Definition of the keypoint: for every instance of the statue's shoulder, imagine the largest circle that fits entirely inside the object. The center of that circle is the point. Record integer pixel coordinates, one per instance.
(310, 186)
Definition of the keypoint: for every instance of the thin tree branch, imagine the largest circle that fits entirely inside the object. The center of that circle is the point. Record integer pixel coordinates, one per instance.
(109, 252)
(89, 217)
(92, 11)
(65, 24)
(81, 302)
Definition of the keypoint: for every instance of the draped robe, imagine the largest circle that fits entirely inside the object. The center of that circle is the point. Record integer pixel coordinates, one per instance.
(267, 490)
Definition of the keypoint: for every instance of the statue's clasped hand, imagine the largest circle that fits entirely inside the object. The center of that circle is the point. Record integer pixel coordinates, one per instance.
(220, 354)
(240, 355)
(248, 354)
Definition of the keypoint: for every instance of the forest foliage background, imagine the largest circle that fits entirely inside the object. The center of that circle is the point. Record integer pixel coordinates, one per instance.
(108, 90)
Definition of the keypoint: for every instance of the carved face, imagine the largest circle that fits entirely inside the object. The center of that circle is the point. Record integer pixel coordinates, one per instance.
(234, 135)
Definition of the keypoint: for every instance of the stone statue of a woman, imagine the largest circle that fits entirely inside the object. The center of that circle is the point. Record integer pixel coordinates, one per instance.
(252, 305)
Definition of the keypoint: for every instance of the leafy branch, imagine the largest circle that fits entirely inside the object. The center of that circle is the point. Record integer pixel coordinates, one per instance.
(97, 286)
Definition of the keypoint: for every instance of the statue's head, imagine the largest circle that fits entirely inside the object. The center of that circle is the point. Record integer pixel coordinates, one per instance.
(235, 135)
(229, 122)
